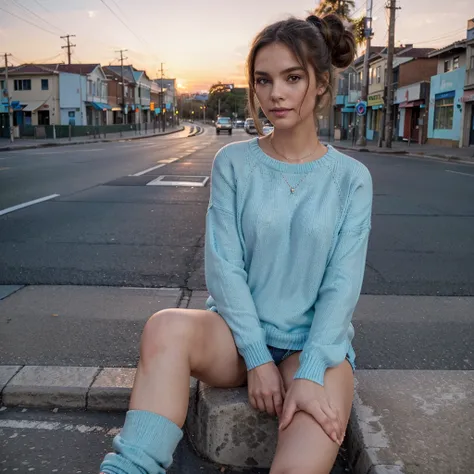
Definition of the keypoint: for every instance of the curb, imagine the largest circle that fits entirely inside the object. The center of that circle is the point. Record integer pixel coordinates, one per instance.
(99, 140)
(440, 157)
(109, 389)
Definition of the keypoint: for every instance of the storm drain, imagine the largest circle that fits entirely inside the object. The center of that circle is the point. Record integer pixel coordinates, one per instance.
(170, 180)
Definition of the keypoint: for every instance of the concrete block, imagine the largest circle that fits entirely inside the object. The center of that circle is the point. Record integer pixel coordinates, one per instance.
(111, 390)
(6, 374)
(227, 430)
(50, 386)
(386, 470)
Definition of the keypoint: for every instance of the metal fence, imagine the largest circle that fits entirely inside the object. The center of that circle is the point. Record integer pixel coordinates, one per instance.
(75, 131)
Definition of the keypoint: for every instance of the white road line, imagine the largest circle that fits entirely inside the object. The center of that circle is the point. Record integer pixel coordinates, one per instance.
(26, 204)
(56, 426)
(458, 172)
(146, 171)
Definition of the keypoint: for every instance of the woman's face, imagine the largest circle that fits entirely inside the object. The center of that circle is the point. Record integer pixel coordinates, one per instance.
(286, 93)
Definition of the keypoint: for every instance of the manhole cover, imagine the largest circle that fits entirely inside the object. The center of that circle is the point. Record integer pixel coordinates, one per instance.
(170, 180)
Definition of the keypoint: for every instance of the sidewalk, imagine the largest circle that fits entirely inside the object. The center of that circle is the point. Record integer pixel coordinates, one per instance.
(403, 421)
(27, 143)
(450, 154)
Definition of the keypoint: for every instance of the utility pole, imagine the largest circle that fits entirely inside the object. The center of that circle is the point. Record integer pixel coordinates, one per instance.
(10, 112)
(68, 46)
(124, 115)
(163, 105)
(389, 100)
(362, 141)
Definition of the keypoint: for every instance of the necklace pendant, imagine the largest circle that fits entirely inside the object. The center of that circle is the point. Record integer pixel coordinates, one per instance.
(292, 190)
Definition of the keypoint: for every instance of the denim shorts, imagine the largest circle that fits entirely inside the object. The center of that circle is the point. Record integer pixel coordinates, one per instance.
(279, 355)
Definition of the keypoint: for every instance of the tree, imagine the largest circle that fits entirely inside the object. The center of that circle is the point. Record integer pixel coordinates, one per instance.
(232, 101)
(344, 9)
(340, 7)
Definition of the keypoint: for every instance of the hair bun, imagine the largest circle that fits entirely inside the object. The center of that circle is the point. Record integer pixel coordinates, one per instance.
(341, 42)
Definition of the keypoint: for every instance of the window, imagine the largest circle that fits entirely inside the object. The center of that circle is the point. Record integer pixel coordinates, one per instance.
(72, 114)
(444, 109)
(22, 84)
(447, 65)
(379, 72)
(44, 84)
(456, 62)
(2, 85)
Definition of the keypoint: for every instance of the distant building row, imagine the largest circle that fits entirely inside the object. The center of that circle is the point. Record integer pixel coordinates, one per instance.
(83, 94)
(433, 99)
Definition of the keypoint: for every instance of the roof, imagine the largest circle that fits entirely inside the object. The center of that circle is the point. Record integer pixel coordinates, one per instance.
(31, 69)
(451, 48)
(116, 74)
(77, 68)
(127, 72)
(372, 51)
(415, 53)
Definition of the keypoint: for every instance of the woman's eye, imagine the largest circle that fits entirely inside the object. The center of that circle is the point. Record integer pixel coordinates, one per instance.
(294, 78)
(261, 81)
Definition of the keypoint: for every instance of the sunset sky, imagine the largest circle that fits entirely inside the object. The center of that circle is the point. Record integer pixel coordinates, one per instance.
(199, 42)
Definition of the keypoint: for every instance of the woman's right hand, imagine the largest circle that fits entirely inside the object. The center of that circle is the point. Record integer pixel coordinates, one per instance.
(266, 389)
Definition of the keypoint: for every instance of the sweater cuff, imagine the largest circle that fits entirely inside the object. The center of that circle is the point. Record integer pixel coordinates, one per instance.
(256, 354)
(311, 368)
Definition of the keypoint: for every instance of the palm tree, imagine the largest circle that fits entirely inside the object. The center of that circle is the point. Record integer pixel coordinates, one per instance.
(340, 7)
(344, 9)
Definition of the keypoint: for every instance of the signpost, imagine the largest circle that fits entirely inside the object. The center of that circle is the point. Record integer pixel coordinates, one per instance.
(361, 108)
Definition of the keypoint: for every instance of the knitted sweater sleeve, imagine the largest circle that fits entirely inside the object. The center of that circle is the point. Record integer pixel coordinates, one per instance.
(226, 277)
(328, 341)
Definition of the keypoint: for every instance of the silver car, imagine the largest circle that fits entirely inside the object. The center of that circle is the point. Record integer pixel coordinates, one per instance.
(224, 124)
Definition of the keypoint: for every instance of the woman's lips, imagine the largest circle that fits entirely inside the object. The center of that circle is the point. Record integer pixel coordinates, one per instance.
(280, 112)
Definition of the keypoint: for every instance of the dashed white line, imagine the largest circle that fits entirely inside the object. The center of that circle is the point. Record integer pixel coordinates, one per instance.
(459, 172)
(26, 204)
(149, 169)
(56, 426)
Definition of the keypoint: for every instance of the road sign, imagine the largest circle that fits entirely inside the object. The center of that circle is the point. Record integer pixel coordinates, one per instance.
(361, 108)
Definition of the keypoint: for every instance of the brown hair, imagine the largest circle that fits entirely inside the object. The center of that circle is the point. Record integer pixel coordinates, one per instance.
(322, 43)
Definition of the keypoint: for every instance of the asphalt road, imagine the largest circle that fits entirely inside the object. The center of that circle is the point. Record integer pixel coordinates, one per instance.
(109, 229)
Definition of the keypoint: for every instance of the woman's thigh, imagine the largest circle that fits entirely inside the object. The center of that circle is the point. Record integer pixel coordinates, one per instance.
(214, 356)
(304, 447)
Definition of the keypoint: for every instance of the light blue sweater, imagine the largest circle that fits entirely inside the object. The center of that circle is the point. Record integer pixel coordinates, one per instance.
(286, 269)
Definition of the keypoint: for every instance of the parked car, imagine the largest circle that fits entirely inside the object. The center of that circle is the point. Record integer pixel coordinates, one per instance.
(249, 126)
(239, 124)
(267, 129)
(224, 124)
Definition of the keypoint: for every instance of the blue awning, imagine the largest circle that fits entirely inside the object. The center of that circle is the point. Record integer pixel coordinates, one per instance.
(350, 109)
(99, 105)
(445, 95)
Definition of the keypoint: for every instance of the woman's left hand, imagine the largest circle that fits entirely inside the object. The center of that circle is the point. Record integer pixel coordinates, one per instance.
(310, 397)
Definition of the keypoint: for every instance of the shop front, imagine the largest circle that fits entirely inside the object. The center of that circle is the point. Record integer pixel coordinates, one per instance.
(411, 112)
(468, 104)
(374, 115)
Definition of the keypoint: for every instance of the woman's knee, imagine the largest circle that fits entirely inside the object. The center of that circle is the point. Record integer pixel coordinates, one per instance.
(169, 328)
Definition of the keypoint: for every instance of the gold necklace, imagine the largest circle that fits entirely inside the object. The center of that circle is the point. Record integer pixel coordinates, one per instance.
(292, 188)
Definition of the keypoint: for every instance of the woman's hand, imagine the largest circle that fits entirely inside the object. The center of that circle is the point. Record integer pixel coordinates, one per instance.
(310, 397)
(266, 389)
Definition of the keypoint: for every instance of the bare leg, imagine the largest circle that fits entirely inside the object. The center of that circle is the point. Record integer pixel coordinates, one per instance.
(177, 343)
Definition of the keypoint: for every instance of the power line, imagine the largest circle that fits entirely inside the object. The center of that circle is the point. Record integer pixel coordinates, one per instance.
(29, 22)
(121, 21)
(118, 8)
(447, 35)
(17, 3)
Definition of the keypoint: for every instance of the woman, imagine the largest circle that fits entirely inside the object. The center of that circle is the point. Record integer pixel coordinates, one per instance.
(286, 239)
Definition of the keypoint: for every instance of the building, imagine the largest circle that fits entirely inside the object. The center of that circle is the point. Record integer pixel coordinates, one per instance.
(412, 94)
(72, 98)
(34, 94)
(98, 111)
(446, 95)
(121, 95)
(142, 96)
(467, 103)
(130, 86)
(170, 97)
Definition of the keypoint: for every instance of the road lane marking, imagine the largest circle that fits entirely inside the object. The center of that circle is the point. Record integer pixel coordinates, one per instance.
(3, 169)
(26, 204)
(56, 426)
(459, 172)
(146, 171)
(168, 160)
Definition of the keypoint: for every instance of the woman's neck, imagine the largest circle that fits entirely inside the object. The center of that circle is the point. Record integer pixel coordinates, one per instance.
(298, 142)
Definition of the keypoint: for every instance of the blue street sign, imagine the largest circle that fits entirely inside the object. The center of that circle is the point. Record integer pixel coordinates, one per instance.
(361, 108)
